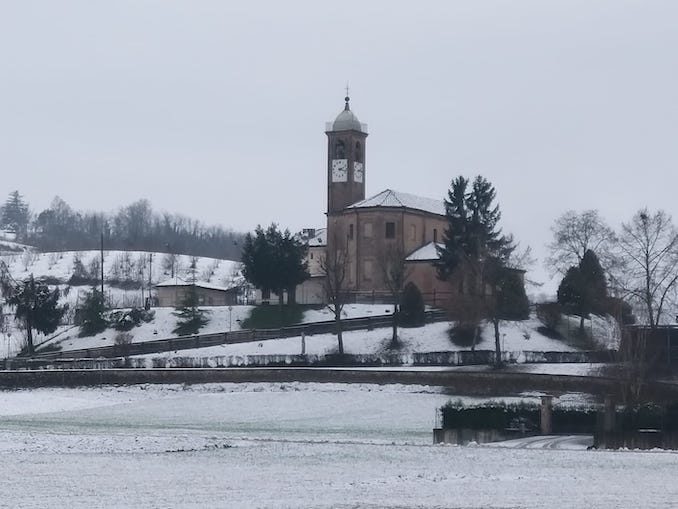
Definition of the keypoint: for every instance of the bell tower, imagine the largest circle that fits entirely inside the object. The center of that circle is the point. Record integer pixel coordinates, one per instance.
(345, 160)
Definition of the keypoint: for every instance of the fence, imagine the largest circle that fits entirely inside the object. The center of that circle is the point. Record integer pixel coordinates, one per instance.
(459, 358)
(221, 338)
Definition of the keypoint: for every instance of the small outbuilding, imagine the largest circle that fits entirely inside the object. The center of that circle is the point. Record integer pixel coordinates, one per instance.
(171, 293)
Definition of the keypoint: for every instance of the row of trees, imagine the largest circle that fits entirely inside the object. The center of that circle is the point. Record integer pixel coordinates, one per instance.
(637, 264)
(133, 227)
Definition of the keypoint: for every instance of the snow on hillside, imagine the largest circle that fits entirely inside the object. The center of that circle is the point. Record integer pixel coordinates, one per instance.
(515, 337)
(134, 266)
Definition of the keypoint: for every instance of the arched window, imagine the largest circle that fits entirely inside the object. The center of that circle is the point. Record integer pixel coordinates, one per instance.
(358, 152)
(339, 150)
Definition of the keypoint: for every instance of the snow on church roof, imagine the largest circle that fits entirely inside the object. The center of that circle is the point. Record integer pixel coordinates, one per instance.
(395, 199)
(426, 252)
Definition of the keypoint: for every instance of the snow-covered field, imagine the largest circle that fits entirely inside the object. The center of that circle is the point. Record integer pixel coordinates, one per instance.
(290, 446)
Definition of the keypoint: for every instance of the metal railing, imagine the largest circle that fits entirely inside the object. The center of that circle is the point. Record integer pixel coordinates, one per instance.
(234, 337)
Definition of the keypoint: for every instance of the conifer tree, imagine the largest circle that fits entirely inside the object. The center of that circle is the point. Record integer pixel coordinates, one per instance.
(191, 317)
(274, 260)
(15, 215)
(583, 290)
(37, 307)
(92, 318)
(474, 244)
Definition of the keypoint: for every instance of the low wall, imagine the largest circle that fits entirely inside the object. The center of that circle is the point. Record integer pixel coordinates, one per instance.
(477, 383)
(464, 436)
(638, 439)
(455, 358)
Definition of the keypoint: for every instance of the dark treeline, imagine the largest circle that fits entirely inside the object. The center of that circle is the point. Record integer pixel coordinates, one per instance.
(133, 227)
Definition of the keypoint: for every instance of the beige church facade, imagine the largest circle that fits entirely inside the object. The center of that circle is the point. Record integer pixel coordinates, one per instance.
(370, 230)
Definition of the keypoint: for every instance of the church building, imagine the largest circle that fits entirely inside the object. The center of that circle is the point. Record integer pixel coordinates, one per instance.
(370, 230)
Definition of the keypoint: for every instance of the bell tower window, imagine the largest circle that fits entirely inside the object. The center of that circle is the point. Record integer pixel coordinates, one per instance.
(358, 152)
(339, 150)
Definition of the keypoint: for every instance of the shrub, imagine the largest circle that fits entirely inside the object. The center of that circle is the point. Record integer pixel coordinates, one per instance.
(462, 333)
(621, 310)
(121, 341)
(499, 415)
(550, 314)
(127, 320)
(91, 315)
(273, 317)
(122, 338)
(412, 310)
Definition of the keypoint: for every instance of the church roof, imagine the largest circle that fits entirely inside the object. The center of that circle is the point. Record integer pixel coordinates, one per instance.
(427, 252)
(394, 199)
(347, 121)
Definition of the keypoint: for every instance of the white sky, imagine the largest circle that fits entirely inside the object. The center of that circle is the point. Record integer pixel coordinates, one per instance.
(217, 109)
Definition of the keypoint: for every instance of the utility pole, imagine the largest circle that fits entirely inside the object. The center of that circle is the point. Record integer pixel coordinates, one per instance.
(102, 265)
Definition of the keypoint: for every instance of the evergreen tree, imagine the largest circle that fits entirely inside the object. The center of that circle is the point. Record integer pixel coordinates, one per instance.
(15, 215)
(412, 308)
(593, 277)
(79, 275)
(190, 317)
(511, 300)
(274, 261)
(92, 318)
(473, 243)
(583, 290)
(37, 307)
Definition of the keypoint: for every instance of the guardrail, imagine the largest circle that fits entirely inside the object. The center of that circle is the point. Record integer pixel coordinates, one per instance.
(222, 338)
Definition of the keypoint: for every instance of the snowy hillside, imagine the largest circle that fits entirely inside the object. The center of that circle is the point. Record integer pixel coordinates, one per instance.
(131, 270)
(128, 276)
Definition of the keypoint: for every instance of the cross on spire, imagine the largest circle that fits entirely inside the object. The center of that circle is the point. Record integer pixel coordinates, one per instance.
(347, 98)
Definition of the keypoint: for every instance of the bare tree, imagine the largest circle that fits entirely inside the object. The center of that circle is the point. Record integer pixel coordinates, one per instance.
(574, 234)
(648, 252)
(334, 268)
(394, 273)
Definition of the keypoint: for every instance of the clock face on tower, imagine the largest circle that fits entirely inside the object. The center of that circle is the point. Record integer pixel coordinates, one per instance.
(339, 170)
(358, 172)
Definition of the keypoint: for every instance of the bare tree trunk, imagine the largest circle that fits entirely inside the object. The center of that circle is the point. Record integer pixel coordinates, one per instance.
(581, 326)
(29, 337)
(497, 346)
(394, 336)
(337, 322)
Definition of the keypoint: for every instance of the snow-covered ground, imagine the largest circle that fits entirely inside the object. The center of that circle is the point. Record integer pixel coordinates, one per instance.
(133, 265)
(292, 445)
(434, 337)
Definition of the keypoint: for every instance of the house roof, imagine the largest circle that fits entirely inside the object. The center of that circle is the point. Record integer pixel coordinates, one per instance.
(319, 239)
(395, 199)
(200, 284)
(427, 252)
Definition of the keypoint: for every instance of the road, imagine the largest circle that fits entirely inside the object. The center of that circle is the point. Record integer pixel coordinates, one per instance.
(562, 442)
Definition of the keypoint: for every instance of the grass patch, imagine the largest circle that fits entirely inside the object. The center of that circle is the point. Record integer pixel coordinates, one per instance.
(274, 316)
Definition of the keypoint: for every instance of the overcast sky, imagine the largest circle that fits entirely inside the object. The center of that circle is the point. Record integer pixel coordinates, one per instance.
(217, 109)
